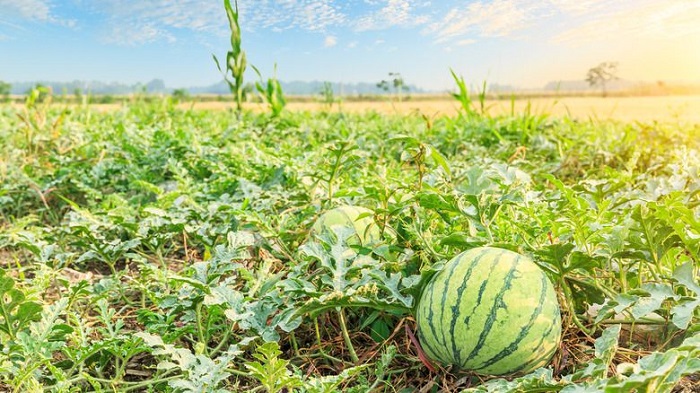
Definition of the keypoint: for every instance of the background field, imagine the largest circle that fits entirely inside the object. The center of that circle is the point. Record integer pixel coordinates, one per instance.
(684, 108)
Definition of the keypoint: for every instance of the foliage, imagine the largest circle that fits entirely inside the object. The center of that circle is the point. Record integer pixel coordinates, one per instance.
(5, 89)
(145, 249)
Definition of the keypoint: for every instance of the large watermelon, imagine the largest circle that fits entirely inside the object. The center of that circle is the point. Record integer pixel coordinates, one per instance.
(359, 219)
(491, 311)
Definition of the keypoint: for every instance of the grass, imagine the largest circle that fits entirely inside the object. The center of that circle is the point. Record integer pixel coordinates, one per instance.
(156, 248)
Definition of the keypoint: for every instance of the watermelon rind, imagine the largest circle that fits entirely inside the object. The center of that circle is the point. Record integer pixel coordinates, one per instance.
(490, 311)
(359, 219)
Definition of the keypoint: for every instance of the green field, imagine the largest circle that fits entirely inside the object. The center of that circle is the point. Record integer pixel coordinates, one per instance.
(155, 248)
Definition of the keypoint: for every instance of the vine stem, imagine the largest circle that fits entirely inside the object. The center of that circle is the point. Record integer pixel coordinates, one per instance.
(346, 336)
(200, 327)
(568, 296)
(223, 341)
(293, 340)
(321, 352)
(631, 322)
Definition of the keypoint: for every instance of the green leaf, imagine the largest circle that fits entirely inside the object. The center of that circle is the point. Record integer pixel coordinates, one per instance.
(606, 344)
(379, 330)
(684, 274)
(684, 311)
(15, 311)
(390, 283)
(440, 160)
(461, 240)
(476, 182)
(656, 295)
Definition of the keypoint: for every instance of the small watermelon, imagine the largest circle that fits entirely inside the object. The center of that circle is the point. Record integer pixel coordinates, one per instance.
(490, 311)
(359, 219)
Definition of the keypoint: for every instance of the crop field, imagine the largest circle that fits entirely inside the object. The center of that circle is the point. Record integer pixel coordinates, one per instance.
(158, 249)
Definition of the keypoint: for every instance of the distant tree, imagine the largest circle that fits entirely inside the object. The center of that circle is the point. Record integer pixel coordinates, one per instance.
(601, 75)
(396, 82)
(155, 86)
(78, 93)
(5, 89)
(327, 94)
(39, 93)
(180, 95)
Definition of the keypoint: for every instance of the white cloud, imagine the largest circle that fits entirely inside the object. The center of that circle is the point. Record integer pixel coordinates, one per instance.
(401, 13)
(452, 23)
(39, 10)
(310, 15)
(646, 20)
(14, 12)
(505, 18)
(135, 22)
(579, 7)
(465, 42)
(330, 41)
(497, 18)
(156, 19)
(137, 35)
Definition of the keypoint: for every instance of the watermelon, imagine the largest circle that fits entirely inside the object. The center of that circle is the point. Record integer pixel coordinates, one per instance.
(359, 219)
(490, 311)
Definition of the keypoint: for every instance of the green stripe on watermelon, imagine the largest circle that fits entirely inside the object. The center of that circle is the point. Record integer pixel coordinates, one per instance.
(457, 353)
(487, 278)
(524, 330)
(448, 269)
(426, 342)
(491, 318)
(537, 361)
(541, 345)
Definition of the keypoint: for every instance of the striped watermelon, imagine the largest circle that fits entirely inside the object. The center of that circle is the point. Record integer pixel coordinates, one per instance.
(366, 230)
(491, 311)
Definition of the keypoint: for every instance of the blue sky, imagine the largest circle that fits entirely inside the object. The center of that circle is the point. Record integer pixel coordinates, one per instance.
(520, 42)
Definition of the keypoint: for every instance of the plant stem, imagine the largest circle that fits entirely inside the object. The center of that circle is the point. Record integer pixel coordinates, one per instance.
(143, 384)
(200, 328)
(318, 334)
(572, 311)
(222, 342)
(293, 340)
(346, 337)
(631, 322)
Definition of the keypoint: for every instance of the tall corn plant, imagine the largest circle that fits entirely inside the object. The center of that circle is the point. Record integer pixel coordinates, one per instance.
(271, 92)
(463, 96)
(236, 62)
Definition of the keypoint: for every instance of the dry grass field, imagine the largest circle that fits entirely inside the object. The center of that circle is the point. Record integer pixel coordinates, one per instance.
(684, 108)
(645, 109)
